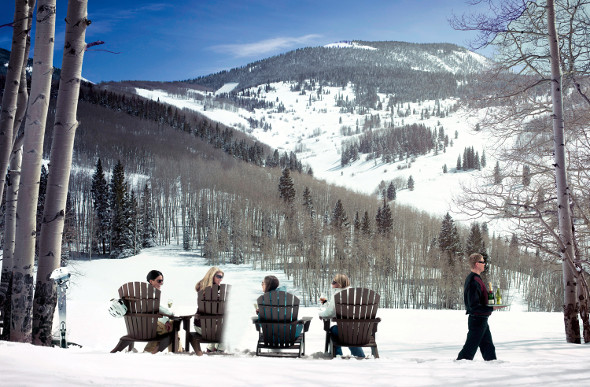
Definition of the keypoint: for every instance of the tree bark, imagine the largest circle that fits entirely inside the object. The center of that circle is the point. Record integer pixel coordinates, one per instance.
(12, 187)
(60, 163)
(570, 308)
(16, 63)
(24, 254)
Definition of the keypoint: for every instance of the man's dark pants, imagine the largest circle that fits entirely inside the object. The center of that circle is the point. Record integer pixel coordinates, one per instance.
(479, 335)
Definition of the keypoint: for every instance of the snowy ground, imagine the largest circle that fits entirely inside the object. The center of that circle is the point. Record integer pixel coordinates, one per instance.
(417, 347)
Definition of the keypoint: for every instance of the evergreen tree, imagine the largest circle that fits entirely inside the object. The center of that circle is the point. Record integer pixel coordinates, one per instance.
(386, 220)
(308, 201)
(483, 158)
(378, 226)
(357, 222)
(339, 218)
(448, 238)
(118, 199)
(148, 230)
(391, 192)
(286, 187)
(100, 200)
(497, 173)
(411, 183)
(475, 242)
(366, 224)
(458, 163)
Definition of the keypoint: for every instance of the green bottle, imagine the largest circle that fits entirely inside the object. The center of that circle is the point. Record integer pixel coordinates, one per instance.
(498, 297)
(491, 300)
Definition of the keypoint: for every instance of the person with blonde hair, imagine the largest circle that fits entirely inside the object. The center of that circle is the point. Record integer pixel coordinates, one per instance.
(214, 276)
(339, 283)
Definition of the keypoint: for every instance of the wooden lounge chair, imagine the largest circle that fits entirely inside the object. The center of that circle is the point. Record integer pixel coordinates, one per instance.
(211, 313)
(277, 325)
(143, 302)
(356, 309)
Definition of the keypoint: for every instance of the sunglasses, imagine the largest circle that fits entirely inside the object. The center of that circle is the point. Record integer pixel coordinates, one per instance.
(484, 262)
(218, 276)
(160, 281)
(334, 283)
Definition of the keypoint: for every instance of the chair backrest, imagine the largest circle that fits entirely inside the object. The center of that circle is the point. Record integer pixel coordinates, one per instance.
(356, 309)
(211, 311)
(143, 304)
(356, 303)
(277, 312)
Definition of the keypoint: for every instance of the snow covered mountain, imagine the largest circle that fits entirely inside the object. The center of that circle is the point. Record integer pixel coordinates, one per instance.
(316, 102)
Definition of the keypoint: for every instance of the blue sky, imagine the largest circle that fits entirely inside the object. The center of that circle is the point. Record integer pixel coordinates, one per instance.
(183, 39)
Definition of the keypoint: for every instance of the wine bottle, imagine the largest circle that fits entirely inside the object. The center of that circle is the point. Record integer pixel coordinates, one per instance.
(498, 297)
(491, 299)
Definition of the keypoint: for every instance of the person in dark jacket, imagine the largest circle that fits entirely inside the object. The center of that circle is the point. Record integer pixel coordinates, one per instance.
(475, 296)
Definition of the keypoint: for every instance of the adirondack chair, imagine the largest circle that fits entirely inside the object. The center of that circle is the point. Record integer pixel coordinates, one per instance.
(143, 302)
(210, 313)
(277, 325)
(355, 318)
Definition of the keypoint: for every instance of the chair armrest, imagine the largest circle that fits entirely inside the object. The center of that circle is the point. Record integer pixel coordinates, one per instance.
(254, 319)
(306, 321)
(186, 322)
(326, 321)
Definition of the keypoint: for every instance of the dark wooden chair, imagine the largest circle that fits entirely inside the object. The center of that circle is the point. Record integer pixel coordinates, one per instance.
(143, 302)
(356, 309)
(211, 314)
(277, 325)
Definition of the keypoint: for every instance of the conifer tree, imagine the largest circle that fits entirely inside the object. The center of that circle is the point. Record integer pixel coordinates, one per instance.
(148, 230)
(391, 192)
(286, 187)
(100, 199)
(386, 220)
(475, 242)
(411, 183)
(118, 197)
(308, 201)
(448, 238)
(366, 224)
(497, 174)
(339, 218)
(357, 222)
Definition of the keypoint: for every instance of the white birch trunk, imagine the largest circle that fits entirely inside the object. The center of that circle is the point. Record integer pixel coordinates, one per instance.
(570, 307)
(60, 164)
(24, 254)
(16, 62)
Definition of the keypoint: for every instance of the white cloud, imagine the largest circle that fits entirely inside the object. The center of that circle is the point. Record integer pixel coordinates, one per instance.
(264, 46)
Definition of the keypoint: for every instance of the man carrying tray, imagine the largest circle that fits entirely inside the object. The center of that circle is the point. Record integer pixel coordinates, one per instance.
(476, 306)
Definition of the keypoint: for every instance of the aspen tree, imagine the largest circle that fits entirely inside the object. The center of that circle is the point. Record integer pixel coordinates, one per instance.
(24, 254)
(62, 146)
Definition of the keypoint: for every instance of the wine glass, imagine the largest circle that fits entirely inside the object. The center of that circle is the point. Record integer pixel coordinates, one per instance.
(170, 302)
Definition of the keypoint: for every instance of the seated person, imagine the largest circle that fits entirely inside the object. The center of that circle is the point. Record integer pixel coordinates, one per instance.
(339, 283)
(214, 276)
(156, 279)
(270, 284)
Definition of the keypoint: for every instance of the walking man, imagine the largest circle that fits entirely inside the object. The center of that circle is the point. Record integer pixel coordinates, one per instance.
(476, 306)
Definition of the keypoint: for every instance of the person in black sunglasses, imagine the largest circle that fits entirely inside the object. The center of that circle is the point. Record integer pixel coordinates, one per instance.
(214, 276)
(339, 283)
(475, 296)
(156, 279)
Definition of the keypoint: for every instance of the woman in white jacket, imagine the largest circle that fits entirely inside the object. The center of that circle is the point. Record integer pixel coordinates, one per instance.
(339, 283)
